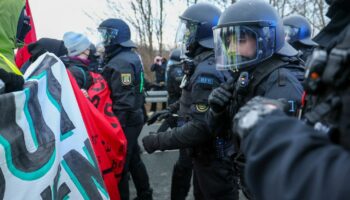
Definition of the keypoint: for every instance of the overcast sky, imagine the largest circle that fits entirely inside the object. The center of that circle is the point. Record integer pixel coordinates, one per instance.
(53, 18)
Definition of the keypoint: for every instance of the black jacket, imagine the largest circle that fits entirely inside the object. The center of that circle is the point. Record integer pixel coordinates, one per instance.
(124, 75)
(159, 71)
(306, 50)
(281, 83)
(80, 71)
(285, 159)
(193, 107)
(174, 78)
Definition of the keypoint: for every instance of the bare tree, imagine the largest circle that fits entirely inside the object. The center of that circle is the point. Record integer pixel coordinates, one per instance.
(159, 25)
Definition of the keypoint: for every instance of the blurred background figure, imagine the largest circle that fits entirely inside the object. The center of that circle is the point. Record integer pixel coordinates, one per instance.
(298, 33)
(173, 76)
(159, 67)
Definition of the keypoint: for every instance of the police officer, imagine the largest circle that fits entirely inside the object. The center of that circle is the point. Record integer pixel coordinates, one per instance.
(298, 33)
(124, 73)
(174, 75)
(252, 47)
(213, 175)
(309, 159)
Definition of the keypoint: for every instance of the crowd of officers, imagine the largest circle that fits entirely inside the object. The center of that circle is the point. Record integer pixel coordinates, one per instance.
(254, 103)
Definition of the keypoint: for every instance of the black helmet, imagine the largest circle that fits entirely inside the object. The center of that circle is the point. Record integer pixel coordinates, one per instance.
(175, 55)
(297, 28)
(249, 32)
(115, 31)
(195, 27)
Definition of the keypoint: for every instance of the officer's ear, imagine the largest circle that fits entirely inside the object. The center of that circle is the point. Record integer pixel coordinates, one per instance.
(23, 27)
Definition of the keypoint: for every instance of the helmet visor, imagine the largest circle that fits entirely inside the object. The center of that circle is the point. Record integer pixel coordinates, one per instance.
(241, 46)
(185, 35)
(291, 33)
(107, 35)
(234, 46)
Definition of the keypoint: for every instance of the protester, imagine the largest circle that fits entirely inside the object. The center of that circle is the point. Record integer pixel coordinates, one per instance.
(77, 62)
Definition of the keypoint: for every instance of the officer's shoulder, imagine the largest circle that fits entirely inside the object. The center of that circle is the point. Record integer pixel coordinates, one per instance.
(206, 66)
(123, 60)
(125, 56)
(284, 75)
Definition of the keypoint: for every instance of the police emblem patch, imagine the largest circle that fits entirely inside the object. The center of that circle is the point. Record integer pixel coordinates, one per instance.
(126, 79)
(202, 107)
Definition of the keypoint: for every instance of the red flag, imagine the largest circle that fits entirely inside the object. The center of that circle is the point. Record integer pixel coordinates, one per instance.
(22, 54)
(105, 133)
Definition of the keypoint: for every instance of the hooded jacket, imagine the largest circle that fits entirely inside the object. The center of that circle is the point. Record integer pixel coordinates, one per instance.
(10, 12)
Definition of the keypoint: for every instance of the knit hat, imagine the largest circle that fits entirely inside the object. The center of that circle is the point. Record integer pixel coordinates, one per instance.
(76, 43)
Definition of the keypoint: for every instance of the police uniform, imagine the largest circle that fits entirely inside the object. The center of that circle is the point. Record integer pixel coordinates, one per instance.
(213, 178)
(124, 75)
(314, 153)
(305, 50)
(173, 80)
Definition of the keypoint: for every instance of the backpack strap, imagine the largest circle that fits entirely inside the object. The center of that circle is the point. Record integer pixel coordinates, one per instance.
(262, 71)
(84, 75)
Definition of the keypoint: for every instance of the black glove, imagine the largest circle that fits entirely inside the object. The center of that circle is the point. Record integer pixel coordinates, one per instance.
(219, 99)
(151, 142)
(13, 82)
(159, 116)
(253, 112)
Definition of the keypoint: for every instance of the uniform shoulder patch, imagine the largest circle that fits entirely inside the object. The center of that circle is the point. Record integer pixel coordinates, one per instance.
(205, 80)
(126, 78)
(202, 107)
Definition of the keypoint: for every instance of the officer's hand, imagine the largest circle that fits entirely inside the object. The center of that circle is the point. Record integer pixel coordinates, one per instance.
(219, 99)
(253, 112)
(159, 116)
(13, 82)
(151, 142)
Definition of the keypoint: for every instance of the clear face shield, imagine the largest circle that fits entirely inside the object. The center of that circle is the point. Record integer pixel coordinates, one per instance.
(185, 35)
(290, 33)
(107, 35)
(237, 46)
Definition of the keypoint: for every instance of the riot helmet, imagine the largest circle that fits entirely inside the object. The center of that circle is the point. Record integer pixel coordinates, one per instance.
(175, 55)
(298, 29)
(115, 32)
(195, 28)
(249, 32)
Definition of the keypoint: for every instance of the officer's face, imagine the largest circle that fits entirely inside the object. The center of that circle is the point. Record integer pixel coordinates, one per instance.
(245, 46)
